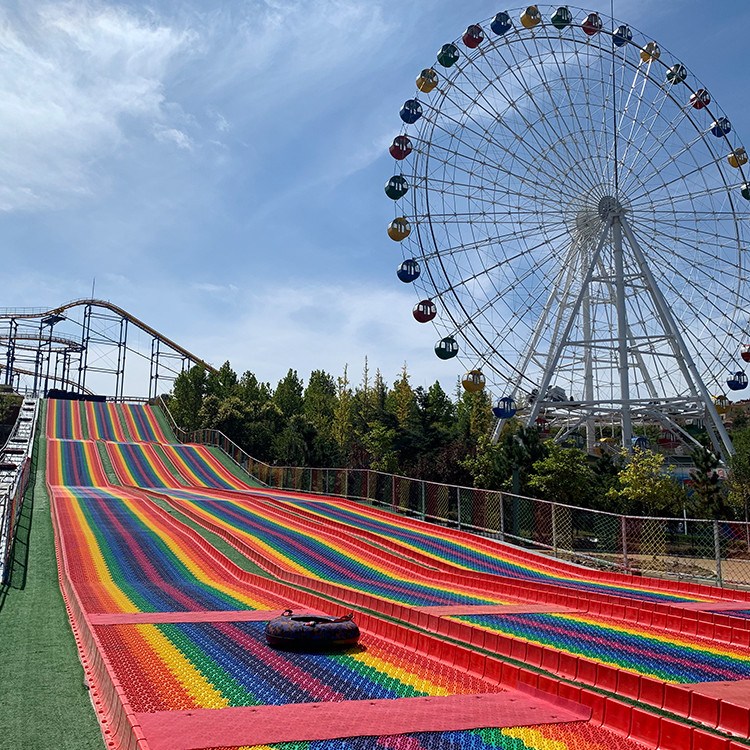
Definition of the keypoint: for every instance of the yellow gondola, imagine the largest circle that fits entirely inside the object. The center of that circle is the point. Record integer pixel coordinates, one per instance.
(399, 229)
(650, 52)
(531, 17)
(474, 381)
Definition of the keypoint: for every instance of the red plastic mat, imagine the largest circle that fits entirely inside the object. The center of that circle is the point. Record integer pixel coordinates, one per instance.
(260, 725)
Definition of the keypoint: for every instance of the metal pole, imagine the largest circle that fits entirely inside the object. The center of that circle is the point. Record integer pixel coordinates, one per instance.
(624, 535)
(554, 529)
(424, 501)
(717, 554)
(684, 359)
(557, 348)
(622, 336)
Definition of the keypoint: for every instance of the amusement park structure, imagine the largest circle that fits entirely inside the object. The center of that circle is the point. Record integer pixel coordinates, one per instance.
(571, 206)
(87, 346)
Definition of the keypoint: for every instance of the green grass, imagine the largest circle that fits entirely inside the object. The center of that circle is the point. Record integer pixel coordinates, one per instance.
(43, 701)
(107, 464)
(232, 467)
(161, 418)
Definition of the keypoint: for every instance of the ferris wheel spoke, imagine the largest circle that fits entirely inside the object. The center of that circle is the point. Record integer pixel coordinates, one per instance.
(514, 237)
(660, 144)
(551, 133)
(548, 135)
(460, 159)
(526, 182)
(713, 300)
(518, 142)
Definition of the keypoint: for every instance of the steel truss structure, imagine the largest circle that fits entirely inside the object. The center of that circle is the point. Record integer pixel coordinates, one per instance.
(87, 346)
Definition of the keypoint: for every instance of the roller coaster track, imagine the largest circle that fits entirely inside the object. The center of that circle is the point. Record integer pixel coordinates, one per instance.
(103, 326)
(69, 383)
(23, 313)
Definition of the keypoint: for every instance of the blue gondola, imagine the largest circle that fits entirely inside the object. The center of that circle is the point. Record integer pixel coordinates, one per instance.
(738, 381)
(622, 36)
(408, 271)
(411, 111)
(721, 127)
(501, 24)
(505, 408)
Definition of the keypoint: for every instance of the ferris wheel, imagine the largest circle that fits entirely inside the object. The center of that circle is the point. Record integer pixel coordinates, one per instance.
(570, 204)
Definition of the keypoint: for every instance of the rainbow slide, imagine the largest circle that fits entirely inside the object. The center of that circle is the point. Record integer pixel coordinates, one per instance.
(170, 630)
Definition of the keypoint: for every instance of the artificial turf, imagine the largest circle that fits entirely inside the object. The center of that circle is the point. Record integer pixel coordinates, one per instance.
(43, 700)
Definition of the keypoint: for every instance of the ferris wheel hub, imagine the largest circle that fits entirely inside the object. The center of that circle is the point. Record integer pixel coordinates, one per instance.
(608, 207)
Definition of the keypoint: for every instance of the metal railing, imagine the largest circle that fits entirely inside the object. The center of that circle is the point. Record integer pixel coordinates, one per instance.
(704, 550)
(15, 467)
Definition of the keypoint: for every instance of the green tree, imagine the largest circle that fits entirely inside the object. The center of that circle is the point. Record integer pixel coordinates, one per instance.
(739, 473)
(222, 383)
(251, 391)
(187, 397)
(288, 394)
(379, 444)
(644, 487)
(564, 476)
(708, 498)
(343, 417)
(319, 401)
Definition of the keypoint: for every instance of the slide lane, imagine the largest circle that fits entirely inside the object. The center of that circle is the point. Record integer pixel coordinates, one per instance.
(139, 465)
(65, 420)
(126, 555)
(568, 736)
(142, 423)
(296, 547)
(115, 540)
(229, 664)
(74, 463)
(103, 421)
(200, 468)
(472, 553)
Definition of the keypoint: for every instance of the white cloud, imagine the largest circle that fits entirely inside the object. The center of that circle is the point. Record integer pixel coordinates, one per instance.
(172, 135)
(71, 75)
(321, 326)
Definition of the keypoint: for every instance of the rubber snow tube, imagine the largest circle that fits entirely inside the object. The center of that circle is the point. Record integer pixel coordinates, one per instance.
(311, 632)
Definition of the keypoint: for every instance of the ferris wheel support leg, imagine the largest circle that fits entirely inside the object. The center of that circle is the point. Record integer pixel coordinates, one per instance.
(717, 432)
(622, 336)
(556, 349)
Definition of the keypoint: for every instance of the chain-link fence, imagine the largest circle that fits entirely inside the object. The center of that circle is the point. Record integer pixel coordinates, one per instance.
(700, 550)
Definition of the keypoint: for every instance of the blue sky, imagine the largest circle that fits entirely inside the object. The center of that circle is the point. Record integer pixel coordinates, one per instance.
(219, 168)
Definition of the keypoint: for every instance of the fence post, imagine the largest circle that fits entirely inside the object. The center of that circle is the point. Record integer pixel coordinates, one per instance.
(393, 490)
(717, 553)
(424, 500)
(554, 529)
(458, 506)
(502, 516)
(624, 533)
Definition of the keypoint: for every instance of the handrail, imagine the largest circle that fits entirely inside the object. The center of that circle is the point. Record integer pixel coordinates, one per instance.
(11, 497)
